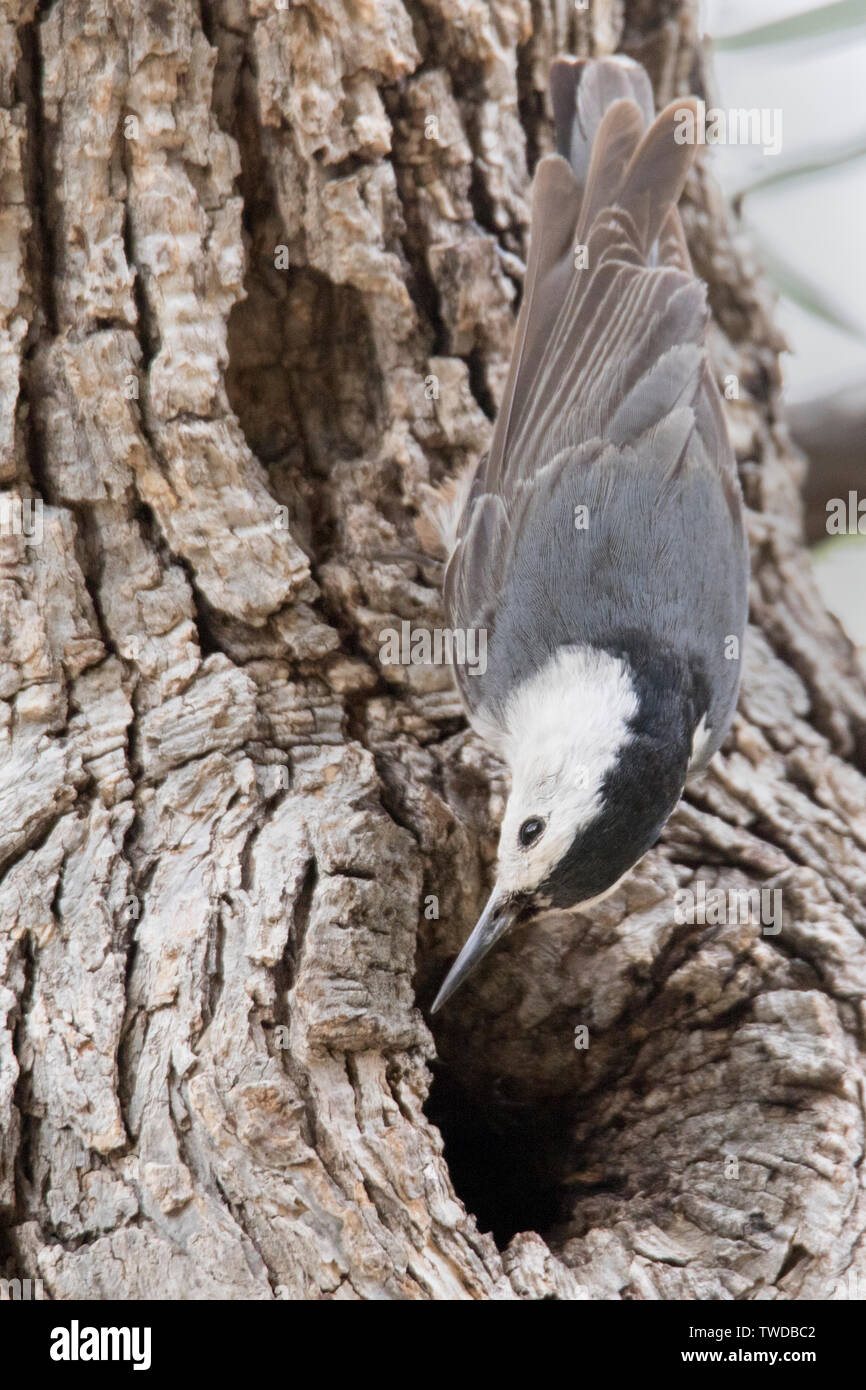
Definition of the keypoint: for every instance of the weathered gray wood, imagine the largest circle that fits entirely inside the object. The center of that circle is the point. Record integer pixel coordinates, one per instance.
(221, 817)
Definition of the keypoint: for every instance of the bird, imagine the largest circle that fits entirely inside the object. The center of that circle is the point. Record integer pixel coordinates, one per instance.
(599, 542)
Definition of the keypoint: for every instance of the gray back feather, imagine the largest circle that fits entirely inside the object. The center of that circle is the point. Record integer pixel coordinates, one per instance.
(609, 403)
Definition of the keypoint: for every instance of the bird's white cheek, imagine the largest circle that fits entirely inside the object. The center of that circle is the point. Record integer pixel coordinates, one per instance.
(522, 870)
(515, 867)
(514, 873)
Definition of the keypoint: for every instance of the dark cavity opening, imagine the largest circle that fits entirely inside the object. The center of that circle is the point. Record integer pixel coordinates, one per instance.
(508, 1159)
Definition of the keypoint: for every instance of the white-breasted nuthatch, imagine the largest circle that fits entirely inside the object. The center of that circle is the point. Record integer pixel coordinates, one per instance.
(600, 541)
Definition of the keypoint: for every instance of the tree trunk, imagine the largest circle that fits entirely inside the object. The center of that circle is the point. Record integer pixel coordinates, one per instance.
(260, 268)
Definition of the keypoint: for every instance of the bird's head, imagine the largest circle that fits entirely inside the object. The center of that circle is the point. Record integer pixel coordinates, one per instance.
(598, 758)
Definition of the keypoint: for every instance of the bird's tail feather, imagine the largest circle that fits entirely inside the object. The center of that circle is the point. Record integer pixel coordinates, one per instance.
(582, 91)
(611, 189)
(619, 154)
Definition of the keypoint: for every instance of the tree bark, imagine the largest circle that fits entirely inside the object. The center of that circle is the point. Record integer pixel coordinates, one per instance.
(260, 269)
(830, 428)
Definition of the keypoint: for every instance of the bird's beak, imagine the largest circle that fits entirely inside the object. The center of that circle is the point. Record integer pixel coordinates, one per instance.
(498, 916)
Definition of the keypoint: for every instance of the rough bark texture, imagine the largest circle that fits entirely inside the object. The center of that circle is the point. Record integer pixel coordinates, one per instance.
(222, 820)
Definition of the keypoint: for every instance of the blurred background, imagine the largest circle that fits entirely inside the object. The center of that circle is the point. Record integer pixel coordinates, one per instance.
(805, 211)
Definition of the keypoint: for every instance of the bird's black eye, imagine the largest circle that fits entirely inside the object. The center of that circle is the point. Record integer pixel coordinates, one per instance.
(530, 831)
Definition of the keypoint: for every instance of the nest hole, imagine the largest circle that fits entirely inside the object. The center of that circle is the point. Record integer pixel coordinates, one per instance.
(507, 1159)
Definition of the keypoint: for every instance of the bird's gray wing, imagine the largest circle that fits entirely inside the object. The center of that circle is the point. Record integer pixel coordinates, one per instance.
(605, 356)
